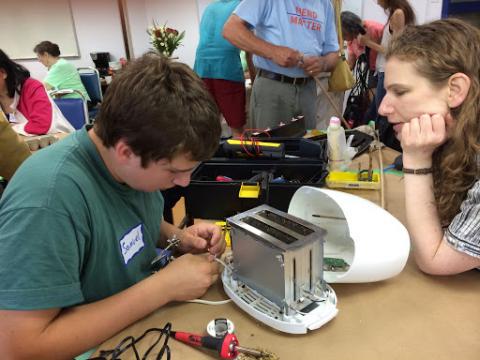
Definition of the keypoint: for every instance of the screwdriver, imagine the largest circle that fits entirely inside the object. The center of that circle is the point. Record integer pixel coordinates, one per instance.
(227, 346)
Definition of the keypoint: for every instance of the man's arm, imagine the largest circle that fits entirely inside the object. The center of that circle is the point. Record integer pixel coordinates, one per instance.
(314, 65)
(66, 333)
(237, 32)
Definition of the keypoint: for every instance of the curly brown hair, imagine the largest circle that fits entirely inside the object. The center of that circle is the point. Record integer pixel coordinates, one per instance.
(438, 50)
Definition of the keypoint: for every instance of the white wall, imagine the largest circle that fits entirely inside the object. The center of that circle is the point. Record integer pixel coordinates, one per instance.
(97, 31)
(180, 15)
(137, 23)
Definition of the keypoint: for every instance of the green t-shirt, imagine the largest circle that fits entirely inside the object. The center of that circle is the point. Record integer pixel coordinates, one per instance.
(63, 75)
(71, 234)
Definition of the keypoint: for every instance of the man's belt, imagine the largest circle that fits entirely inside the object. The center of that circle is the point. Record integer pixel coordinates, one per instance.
(282, 78)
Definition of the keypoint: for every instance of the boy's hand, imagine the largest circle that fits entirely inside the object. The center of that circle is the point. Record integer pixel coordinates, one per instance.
(189, 276)
(202, 237)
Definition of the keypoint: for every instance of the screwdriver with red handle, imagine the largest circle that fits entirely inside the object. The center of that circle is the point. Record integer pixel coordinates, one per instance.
(227, 346)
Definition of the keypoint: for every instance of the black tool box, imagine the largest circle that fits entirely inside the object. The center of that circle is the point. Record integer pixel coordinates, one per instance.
(215, 187)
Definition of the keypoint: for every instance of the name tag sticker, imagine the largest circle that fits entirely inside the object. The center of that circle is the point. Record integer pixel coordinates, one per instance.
(132, 243)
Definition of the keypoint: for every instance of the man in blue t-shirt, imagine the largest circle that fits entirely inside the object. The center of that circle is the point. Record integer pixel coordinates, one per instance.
(80, 220)
(292, 41)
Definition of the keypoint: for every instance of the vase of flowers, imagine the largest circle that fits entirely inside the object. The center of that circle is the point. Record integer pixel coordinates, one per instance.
(165, 40)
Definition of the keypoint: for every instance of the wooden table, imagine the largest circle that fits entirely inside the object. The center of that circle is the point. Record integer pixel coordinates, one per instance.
(412, 316)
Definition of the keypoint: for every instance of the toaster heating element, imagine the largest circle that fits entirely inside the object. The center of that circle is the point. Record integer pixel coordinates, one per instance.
(275, 271)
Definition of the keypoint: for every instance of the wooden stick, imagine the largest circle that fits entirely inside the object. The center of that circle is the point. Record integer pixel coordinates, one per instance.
(332, 102)
(382, 180)
(378, 146)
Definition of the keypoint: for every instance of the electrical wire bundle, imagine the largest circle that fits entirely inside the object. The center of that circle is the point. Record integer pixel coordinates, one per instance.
(250, 144)
(129, 343)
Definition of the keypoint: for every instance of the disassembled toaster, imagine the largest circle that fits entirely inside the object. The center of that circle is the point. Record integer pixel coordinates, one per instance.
(276, 271)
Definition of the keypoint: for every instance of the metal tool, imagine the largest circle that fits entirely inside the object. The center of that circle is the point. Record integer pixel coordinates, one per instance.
(164, 255)
(366, 175)
(227, 347)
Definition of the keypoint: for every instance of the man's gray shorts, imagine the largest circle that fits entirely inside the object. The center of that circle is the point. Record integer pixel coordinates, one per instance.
(274, 101)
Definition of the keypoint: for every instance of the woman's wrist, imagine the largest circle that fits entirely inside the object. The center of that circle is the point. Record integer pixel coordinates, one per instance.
(415, 162)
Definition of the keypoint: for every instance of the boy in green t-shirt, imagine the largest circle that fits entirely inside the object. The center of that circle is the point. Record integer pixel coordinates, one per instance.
(80, 221)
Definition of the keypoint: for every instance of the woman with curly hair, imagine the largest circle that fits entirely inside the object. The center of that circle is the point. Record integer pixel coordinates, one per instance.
(433, 102)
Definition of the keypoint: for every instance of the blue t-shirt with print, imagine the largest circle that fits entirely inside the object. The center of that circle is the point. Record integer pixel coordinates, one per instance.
(307, 26)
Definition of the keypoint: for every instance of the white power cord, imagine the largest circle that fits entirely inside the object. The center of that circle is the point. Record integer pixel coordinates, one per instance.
(208, 302)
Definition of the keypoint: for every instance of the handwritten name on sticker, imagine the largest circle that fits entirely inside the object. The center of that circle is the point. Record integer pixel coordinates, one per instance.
(132, 243)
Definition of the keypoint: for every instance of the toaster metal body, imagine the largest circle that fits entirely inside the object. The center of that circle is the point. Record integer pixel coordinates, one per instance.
(277, 254)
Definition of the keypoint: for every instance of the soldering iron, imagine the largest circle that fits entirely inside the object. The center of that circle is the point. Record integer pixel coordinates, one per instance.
(227, 347)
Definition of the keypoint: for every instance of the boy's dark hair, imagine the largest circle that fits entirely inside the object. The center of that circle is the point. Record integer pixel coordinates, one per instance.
(160, 108)
(16, 74)
(47, 47)
(351, 23)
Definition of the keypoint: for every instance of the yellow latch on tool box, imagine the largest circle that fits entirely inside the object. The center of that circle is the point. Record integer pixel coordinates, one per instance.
(350, 180)
(249, 191)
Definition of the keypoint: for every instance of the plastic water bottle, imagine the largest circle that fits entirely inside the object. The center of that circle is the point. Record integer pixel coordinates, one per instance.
(337, 145)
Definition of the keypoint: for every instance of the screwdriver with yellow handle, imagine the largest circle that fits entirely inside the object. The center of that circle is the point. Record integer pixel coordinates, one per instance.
(227, 347)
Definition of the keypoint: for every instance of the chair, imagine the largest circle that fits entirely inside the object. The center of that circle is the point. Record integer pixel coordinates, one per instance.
(74, 110)
(91, 80)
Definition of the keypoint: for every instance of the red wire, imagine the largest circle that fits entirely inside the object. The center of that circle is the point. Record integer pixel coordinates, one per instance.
(255, 146)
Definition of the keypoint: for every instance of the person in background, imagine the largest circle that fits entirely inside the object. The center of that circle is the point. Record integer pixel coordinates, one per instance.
(352, 27)
(13, 150)
(218, 63)
(247, 66)
(400, 14)
(26, 103)
(291, 43)
(61, 73)
(81, 219)
(433, 103)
